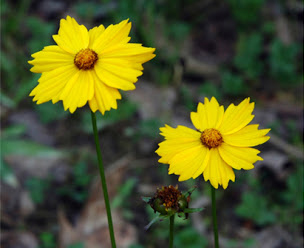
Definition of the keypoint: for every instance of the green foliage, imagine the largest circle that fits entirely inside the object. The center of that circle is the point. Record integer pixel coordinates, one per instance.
(209, 90)
(124, 194)
(78, 189)
(293, 132)
(37, 188)
(47, 240)
(190, 238)
(88, 10)
(29, 148)
(247, 12)
(232, 84)
(248, 243)
(283, 63)
(41, 33)
(247, 59)
(12, 144)
(76, 245)
(147, 128)
(14, 54)
(256, 208)
(187, 98)
(293, 198)
(49, 112)
(136, 246)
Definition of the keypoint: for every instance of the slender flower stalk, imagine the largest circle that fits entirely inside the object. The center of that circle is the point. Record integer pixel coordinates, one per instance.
(103, 181)
(214, 218)
(171, 237)
(169, 201)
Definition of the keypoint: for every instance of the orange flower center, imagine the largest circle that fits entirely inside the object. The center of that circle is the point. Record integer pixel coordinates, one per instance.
(85, 59)
(211, 138)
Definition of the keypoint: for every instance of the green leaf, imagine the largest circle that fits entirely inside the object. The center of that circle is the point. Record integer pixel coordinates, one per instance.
(47, 240)
(37, 188)
(209, 89)
(7, 174)
(193, 210)
(233, 84)
(76, 245)
(247, 59)
(29, 148)
(283, 62)
(7, 101)
(152, 222)
(124, 193)
(146, 199)
(158, 217)
(246, 12)
(12, 132)
(255, 208)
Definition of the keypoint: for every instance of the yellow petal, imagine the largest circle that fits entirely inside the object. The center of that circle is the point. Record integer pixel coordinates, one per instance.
(94, 33)
(71, 37)
(217, 171)
(208, 115)
(247, 136)
(203, 166)
(122, 63)
(128, 74)
(112, 35)
(130, 51)
(52, 83)
(187, 161)
(239, 157)
(193, 167)
(112, 79)
(78, 91)
(50, 58)
(176, 140)
(236, 117)
(104, 98)
(226, 173)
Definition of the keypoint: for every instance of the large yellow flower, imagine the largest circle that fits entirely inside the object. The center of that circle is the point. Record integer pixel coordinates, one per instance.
(88, 66)
(222, 141)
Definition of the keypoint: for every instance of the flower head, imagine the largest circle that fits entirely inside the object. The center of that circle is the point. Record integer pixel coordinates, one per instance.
(221, 143)
(88, 66)
(169, 200)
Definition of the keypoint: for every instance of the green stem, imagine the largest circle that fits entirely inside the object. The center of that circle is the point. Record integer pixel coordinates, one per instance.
(215, 231)
(171, 237)
(103, 181)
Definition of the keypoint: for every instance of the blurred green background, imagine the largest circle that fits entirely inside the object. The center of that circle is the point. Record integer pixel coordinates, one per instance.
(50, 196)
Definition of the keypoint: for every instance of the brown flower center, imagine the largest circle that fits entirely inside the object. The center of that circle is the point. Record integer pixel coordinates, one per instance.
(85, 59)
(211, 138)
(169, 196)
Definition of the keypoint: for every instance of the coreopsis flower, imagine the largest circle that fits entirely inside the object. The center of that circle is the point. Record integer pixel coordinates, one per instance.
(169, 200)
(88, 66)
(221, 142)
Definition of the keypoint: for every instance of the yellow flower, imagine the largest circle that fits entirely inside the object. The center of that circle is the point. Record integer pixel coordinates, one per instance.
(221, 143)
(88, 66)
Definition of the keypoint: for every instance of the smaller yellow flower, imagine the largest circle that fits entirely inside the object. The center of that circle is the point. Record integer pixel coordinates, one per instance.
(88, 66)
(221, 143)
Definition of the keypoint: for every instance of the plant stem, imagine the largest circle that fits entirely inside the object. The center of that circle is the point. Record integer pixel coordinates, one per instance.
(215, 231)
(171, 237)
(103, 181)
